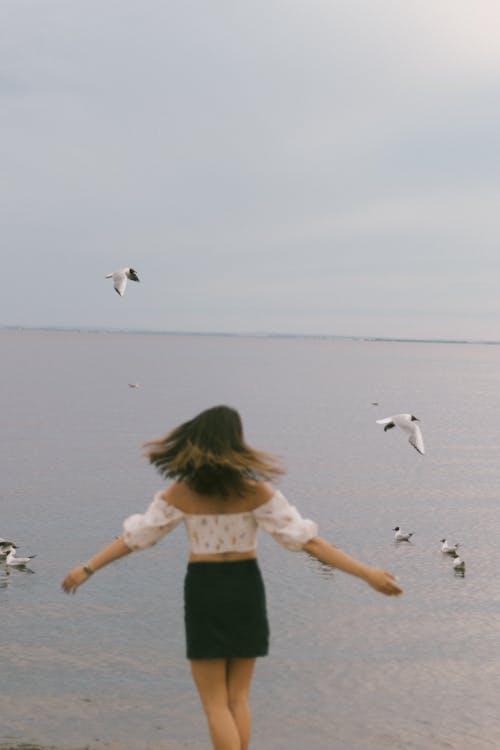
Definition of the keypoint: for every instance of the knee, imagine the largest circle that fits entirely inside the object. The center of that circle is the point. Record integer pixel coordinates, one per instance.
(238, 701)
(214, 708)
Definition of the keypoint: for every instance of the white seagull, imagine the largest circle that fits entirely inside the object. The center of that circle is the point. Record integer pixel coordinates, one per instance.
(5, 547)
(401, 536)
(448, 549)
(120, 279)
(458, 564)
(4, 551)
(17, 562)
(406, 422)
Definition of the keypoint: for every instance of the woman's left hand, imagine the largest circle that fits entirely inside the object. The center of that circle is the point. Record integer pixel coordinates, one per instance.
(74, 579)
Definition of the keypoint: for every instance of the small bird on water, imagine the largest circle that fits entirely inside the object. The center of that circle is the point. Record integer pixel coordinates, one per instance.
(5, 546)
(448, 549)
(406, 422)
(120, 279)
(401, 536)
(17, 562)
(458, 564)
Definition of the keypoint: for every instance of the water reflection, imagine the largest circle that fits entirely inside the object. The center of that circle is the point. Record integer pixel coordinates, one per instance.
(325, 571)
(7, 571)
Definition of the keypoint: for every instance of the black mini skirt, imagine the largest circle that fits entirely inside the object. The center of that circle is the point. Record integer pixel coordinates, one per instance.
(225, 610)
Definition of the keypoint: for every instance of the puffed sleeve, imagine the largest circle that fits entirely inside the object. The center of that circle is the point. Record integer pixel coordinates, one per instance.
(284, 522)
(145, 529)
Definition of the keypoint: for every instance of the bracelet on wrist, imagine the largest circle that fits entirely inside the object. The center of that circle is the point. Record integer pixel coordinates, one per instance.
(88, 570)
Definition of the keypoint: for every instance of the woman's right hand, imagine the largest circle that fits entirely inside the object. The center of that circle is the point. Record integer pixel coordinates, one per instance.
(74, 579)
(106, 555)
(382, 581)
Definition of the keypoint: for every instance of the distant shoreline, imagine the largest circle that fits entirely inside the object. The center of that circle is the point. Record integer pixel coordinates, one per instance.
(248, 335)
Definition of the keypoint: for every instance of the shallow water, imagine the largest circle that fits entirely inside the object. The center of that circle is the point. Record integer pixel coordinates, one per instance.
(348, 669)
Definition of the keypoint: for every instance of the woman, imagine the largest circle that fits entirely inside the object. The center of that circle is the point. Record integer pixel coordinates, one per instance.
(221, 494)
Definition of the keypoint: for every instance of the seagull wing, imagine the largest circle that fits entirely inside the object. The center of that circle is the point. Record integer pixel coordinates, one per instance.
(120, 282)
(416, 439)
(388, 423)
(13, 560)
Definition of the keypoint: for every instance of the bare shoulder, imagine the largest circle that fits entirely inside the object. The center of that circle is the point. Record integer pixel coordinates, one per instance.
(176, 495)
(184, 499)
(262, 493)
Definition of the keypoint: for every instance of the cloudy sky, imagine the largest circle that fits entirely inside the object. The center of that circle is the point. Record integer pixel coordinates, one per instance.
(312, 166)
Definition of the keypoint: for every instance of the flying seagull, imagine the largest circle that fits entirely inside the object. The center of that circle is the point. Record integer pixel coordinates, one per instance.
(406, 422)
(120, 279)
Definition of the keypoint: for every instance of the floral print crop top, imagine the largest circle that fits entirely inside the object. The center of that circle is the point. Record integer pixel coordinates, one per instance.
(222, 532)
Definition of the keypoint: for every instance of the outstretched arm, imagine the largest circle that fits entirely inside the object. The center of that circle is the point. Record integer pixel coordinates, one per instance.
(377, 578)
(108, 554)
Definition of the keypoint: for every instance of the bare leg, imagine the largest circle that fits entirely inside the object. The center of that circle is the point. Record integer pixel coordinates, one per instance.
(239, 679)
(210, 677)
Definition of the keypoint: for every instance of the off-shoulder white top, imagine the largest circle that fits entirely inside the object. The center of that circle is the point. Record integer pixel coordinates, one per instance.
(221, 532)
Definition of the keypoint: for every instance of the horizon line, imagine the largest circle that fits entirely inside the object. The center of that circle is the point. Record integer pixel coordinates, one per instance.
(255, 334)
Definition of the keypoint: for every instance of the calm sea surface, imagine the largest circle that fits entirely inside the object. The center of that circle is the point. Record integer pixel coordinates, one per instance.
(349, 669)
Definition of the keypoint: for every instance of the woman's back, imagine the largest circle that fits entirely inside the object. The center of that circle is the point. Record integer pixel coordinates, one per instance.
(187, 500)
(217, 525)
(219, 528)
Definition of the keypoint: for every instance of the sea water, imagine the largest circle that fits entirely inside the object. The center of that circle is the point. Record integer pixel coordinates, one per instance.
(348, 668)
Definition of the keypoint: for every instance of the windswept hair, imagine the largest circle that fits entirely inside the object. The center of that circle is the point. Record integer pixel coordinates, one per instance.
(209, 453)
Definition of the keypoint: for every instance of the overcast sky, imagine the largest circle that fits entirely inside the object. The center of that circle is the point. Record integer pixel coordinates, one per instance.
(320, 166)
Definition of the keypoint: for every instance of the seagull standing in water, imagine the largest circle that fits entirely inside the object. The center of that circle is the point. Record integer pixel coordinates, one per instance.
(407, 423)
(5, 548)
(120, 279)
(458, 564)
(448, 549)
(401, 536)
(17, 562)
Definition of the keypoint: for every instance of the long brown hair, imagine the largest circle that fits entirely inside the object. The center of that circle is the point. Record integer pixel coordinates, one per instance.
(209, 453)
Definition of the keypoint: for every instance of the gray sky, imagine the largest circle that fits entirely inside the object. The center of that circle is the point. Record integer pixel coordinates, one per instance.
(314, 167)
